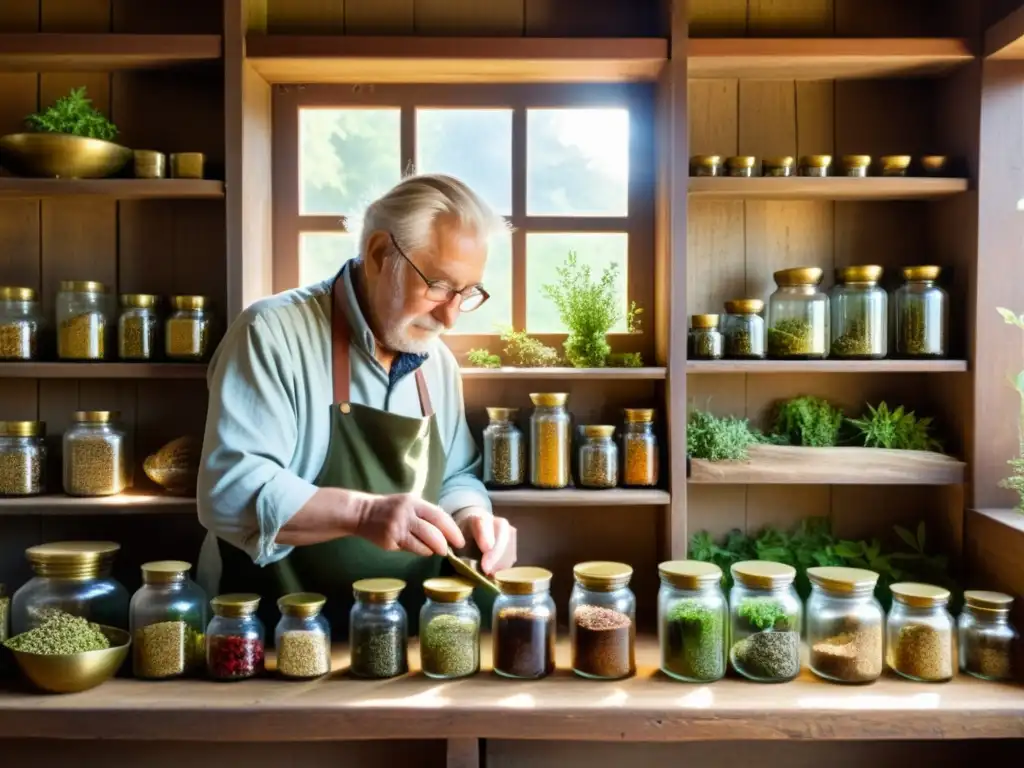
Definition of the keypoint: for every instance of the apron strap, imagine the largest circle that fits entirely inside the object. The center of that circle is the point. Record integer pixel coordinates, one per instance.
(421, 386)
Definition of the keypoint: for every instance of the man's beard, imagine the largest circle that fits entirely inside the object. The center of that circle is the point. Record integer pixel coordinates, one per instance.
(396, 335)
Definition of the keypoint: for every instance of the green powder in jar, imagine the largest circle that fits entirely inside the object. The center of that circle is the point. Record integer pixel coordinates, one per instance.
(448, 646)
(694, 641)
(60, 634)
(791, 337)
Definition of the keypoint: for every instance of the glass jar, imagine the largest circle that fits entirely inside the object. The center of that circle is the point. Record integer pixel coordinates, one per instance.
(705, 340)
(741, 166)
(706, 165)
(599, 457)
(919, 633)
(798, 317)
(83, 319)
(523, 624)
(302, 637)
(22, 458)
(20, 321)
(860, 314)
(168, 619)
(895, 165)
(378, 629)
(743, 329)
(987, 638)
(765, 621)
(188, 328)
(235, 638)
(449, 629)
(845, 625)
(550, 440)
(640, 446)
(5, 617)
(934, 165)
(777, 166)
(95, 455)
(921, 314)
(602, 625)
(815, 165)
(73, 577)
(856, 165)
(137, 326)
(692, 621)
(504, 450)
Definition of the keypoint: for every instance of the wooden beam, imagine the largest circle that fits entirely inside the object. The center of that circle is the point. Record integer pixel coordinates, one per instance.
(1005, 39)
(54, 51)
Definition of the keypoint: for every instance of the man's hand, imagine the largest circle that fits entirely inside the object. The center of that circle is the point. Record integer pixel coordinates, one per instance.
(406, 522)
(494, 536)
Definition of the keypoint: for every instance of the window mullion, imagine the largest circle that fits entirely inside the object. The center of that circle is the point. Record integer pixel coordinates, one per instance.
(518, 217)
(408, 139)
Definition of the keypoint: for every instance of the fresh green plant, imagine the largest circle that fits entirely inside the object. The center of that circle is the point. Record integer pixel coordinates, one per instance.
(882, 428)
(481, 358)
(764, 613)
(719, 438)
(1015, 482)
(625, 360)
(73, 114)
(809, 421)
(525, 351)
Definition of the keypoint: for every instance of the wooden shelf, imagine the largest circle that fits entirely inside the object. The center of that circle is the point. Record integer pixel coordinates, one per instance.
(826, 366)
(573, 497)
(793, 465)
(52, 52)
(1011, 519)
(122, 504)
(568, 374)
(830, 188)
(824, 58)
(102, 370)
(122, 189)
(1005, 39)
(360, 59)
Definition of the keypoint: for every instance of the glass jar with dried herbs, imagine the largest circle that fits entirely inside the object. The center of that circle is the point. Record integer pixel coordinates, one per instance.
(96, 459)
(778, 166)
(550, 440)
(919, 633)
(705, 340)
(860, 314)
(302, 637)
(856, 165)
(815, 165)
(137, 327)
(765, 621)
(22, 458)
(83, 320)
(894, 165)
(5, 616)
(235, 638)
(798, 316)
(845, 624)
(187, 330)
(921, 313)
(168, 621)
(449, 629)
(504, 450)
(598, 457)
(20, 323)
(987, 638)
(740, 166)
(693, 620)
(706, 165)
(523, 624)
(743, 329)
(640, 449)
(602, 621)
(378, 631)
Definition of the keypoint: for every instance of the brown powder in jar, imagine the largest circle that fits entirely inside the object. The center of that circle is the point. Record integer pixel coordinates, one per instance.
(923, 653)
(524, 643)
(603, 644)
(850, 657)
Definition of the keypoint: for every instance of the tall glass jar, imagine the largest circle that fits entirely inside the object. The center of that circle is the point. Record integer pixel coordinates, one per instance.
(640, 448)
(188, 328)
(860, 314)
(302, 637)
(95, 455)
(743, 329)
(798, 317)
(919, 633)
(765, 615)
(602, 623)
(20, 321)
(921, 314)
(504, 450)
(845, 625)
(987, 638)
(235, 638)
(22, 458)
(74, 577)
(137, 327)
(693, 618)
(83, 320)
(704, 339)
(599, 457)
(449, 629)
(523, 623)
(378, 629)
(550, 440)
(168, 619)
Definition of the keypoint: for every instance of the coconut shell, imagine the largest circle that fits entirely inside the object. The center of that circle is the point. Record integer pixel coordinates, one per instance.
(175, 467)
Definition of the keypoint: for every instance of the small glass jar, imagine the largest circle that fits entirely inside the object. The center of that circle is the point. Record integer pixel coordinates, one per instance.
(95, 455)
(860, 314)
(919, 633)
(778, 166)
(855, 165)
(235, 638)
(602, 625)
(987, 638)
(137, 327)
(504, 450)
(640, 449)
(706, 165)
(302, 637)
(188, 329)
(894, 165)
(550, 440)
(83, 320)
(22, 458)
(168, 619)
(921, 314)
(20, 321)
(845, 625)
(5, 617)
(693, 621)
(743, 329)
(741, 166)
(815, 165)
(798, 316)
(765, 615)
(523, 624)
(705, 340)
(73, 577)
(935, 166)
(378, 630)
(449, 629)
(599, 457)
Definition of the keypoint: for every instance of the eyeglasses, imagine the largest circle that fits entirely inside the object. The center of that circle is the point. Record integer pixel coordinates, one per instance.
(440, 292)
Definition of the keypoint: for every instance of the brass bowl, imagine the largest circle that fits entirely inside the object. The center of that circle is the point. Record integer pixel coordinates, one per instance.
(76, 671)
(61, 156)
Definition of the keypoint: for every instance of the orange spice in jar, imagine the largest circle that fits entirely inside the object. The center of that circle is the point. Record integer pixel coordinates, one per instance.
(549, 440)
(640, 465)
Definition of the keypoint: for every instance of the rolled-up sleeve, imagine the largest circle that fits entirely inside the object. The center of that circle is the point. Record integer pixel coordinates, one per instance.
(462, 485)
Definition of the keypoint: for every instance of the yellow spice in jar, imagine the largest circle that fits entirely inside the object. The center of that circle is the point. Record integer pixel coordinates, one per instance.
(550, 456)
(186, 337)
(81, 337)
(18, 340)
(641, 461)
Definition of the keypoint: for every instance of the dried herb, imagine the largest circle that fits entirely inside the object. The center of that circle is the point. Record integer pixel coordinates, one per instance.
(449, 646)
(526, 352)
(60, 634)
(882, 428)
(234, 657)
(167, 649)
(851, 656)
(94, 465)
(764, 613)
(987, 656)
(524, 643)
(791, 337)
(504, 458)
(18, 339)
(858, 341)
(923, 652)
(481, 358)
(21, 469)
(705, 344)
(603, 645)
(716, 438)
(303, 653)
(738, 344)
(82, 337)
(808, 421)
(914, 331)
(625, 360)
(73, 114)
(694, 637)
(769, 656)
(378, 652)
(136, 337)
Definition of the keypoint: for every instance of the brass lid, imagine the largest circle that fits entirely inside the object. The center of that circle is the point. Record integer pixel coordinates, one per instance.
(837, 579)
(447, 589)
(784, 161)
(816, 161)
(988, 601)
(863, 273)
(761, 574)
(72, 559)
(523, 580)
(235, 605)
(165, 571)
(856, 161)
(704, 321)
(689, 574)
(744, 306)
(934, 162)
(638, 415)
(706, 160)
(16, 293)
(138, 300)
(602, 576)
(502, 414)
(95, 417)
(741, 161)
(303, 605)
(798, 276)
(598, 430)
(82, 286)
(148, 156)
(549, 399)
(895, 161)
(188, 302)
(378, 590)
(919, 595)
(22, 428)
(921, 273)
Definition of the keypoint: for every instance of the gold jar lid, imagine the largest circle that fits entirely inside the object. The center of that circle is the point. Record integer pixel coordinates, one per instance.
(783, 161)
(16, 293)
(895, 162)
(816, 161)
(601, 575)
(856, 161)
(934, 162)
(706, 161)
(690, 574)
(165, 571)
(82, 286)
(303, 605)
(919, 595)
(94, 417)
(236, 605)
(921, 273)
(863, 273)
(447, 589)
(188, 302)
(598, 430)
(141, 300)
(523, 580)
(549, 399)
(988, 601)
(378, 590)
(22, 428)
(704, 321)
(638, 415)
(72, 559)
(761, 574)
(502, 414)
(798, 276)
(741, 161)
(838, 579)
(744, 306)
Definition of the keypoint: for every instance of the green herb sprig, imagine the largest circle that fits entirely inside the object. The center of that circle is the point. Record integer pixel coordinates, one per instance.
(719, 438)
(73, 114)
(625, 360)
(481, 358)
(899, 429)
(764, 613)
(525, 351)
(809, 421)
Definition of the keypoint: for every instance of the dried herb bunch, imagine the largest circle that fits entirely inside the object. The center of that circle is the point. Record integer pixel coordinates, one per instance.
(719, 438)
(1015, 482)
(900, 429)
(858, 341)
(809, 421)
(790, 337)
(73, 114)
(481, 358)
(526, 352)
(625, 360)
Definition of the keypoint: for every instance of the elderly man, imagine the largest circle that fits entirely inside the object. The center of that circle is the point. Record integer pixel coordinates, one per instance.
(336, 442)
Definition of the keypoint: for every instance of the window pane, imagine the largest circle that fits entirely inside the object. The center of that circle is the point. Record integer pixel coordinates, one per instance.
(497, 312)
(577, 162)
(321, 254)
(546, 252)
(474, 145)
(347, 158)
